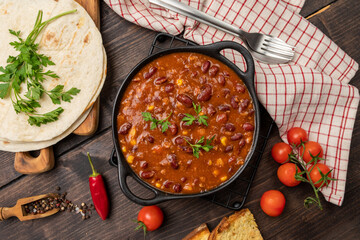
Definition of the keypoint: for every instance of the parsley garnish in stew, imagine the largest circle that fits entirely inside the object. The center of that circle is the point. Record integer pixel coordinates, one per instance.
(189, 119)
(28, 67)
(197, 146)
(164, 123)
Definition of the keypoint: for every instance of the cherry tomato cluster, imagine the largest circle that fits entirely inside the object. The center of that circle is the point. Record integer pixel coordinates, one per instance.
(300, 152)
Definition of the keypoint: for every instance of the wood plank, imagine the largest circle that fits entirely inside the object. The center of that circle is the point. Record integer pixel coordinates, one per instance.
(312, 6)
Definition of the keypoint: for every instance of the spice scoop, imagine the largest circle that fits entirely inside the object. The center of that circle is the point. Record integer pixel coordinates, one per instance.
(19, 209)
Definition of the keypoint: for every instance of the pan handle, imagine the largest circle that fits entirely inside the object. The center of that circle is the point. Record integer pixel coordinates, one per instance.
(250, 65)
(124, 172)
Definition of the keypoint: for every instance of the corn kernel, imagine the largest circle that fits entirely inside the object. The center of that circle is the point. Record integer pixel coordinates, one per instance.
(209, 163)
(224, 178)
(219, 162)
(133, 142)
(179, 82)
(188, 187)
(223, 141)
(201, 185)
(130, 159)
(157, 185)
(123, 149)
(185, 132)
(132, 132)
(151, 107)
(215, 172)
(201, 113)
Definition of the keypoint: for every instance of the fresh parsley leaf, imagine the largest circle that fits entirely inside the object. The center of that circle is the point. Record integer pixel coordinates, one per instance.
(4, 89)
(197, 146)
(67, 96)
(164, 123)
(189, 119)
(28, 67)
(39, 119)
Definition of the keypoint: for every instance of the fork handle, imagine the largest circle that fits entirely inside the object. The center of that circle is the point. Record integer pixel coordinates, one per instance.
(197, 15)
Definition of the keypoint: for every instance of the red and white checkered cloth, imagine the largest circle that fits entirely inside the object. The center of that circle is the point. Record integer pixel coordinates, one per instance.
(311, 92)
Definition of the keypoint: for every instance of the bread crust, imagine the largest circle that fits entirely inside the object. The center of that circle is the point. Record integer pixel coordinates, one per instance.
(199, 233)
(227, 222)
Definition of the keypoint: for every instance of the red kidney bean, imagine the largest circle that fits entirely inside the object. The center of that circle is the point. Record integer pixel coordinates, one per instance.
(158, 110)
(150, 139)
(248, 127)
(240, 88)
(241, 143)
(160, 80)
(172, 160)
(221, 118)
(179, 140)
(144, 164)
(135, 148)
(224, 107)
(205, 94)
(183, 179)
(210, 110)
(177, 187)
(181, 116)
(228, 148)
(147, 174)
(229, 127)
(245, 103)
(205, 66)
(167, 183)
(202, 80)
(226, 74)
(184, 70)
(194, 74)
(251, 112)
(234, 102)
(221, 80)
(231, 160)
(184, 125)
(150, 73)
(125, 128)
(236, 137)
(226, 92)
(186, 149)
(213, 71)
(185, 100)
(173, 129)
(169, 87)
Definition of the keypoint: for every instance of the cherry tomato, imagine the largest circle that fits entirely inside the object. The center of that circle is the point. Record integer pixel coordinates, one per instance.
(311, 147)
(280, 152)
(295, 135)
(150, 218)
(315, 174)
(286, 174)
(272, 203)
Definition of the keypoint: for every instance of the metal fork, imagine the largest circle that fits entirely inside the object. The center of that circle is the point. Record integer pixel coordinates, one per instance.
(265, 48)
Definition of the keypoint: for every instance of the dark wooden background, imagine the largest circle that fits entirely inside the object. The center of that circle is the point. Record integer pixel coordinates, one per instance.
(126, 44)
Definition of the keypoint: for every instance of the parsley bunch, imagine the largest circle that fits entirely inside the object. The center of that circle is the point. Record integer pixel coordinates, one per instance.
(189, 119)
(28, 67)
(197, 146)
(164, 123)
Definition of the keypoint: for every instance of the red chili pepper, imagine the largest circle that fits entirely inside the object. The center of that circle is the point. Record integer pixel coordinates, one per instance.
(98, 192)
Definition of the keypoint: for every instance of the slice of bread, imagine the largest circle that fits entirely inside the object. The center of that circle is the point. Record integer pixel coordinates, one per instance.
(200, 233)
(239, 226)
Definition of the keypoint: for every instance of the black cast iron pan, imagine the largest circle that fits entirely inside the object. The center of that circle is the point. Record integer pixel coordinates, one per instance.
(212, 50)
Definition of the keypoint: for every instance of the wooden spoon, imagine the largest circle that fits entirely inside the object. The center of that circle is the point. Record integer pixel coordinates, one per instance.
(19, 211)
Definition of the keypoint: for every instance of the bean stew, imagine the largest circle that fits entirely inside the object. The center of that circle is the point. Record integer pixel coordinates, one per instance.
(186, 123)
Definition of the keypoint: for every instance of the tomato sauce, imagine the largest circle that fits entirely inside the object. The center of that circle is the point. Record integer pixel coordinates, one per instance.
(161, 97)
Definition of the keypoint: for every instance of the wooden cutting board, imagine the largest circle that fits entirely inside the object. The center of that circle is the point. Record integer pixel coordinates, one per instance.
(24, 162)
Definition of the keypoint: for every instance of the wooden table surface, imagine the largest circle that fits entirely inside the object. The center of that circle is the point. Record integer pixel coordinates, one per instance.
(126, 44)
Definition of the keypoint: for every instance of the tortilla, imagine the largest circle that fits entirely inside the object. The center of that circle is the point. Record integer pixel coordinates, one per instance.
(73, 43)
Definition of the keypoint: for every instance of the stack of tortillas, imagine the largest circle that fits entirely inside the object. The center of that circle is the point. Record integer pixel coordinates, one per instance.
(74, 44)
